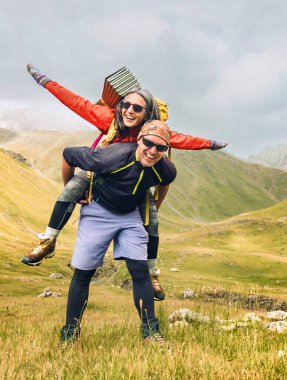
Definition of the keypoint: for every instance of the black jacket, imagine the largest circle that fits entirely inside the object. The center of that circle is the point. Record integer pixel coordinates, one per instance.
(121, 181)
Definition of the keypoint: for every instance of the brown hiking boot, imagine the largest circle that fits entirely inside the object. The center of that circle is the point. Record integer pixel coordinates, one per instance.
(151, 333)
(155, 338)
(158, 291)
(44, 249)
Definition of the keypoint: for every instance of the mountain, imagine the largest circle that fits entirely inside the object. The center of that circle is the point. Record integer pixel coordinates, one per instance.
(209, 186)
(273, 156)
(6, 135)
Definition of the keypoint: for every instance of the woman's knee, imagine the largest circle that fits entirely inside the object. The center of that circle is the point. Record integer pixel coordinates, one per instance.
(75, 189)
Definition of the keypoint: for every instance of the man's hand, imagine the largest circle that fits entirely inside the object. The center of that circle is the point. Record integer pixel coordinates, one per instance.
(215, 145)
(67, 171)
(40, 78)
(162, 192)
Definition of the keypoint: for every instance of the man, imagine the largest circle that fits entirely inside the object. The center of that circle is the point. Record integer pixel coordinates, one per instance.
(124, 174)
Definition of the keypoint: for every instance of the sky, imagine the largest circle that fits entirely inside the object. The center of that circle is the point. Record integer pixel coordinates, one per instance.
(221, 65)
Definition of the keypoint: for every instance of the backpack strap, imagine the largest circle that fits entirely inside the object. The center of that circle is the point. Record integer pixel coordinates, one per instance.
(147, 204)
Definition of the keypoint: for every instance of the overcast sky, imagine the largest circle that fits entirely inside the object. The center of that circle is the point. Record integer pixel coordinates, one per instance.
(220, 64)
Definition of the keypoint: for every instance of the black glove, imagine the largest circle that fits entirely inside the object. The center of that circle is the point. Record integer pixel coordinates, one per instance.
(217, 145)
(37, 75)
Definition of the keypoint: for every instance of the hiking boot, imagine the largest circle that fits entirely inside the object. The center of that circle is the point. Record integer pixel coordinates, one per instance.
(158, 292)
(151, 333)
(70, 333)
(43, 250)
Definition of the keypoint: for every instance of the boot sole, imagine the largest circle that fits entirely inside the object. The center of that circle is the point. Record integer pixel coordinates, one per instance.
(38, 262)
(159, 299)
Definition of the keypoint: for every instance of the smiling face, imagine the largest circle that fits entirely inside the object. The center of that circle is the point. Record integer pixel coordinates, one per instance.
(130, 117)
(150, 156)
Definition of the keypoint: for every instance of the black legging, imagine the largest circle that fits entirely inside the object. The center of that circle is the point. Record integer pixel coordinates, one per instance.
(142, 290)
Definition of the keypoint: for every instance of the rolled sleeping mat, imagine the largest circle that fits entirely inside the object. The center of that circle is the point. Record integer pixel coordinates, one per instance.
(117, 85)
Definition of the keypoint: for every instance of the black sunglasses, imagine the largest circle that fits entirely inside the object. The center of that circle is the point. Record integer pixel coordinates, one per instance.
(150, 144)
(136, 107)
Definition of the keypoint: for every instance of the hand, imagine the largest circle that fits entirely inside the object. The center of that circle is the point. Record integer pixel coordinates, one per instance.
(40, 78)
(215, 145)
(85, 199)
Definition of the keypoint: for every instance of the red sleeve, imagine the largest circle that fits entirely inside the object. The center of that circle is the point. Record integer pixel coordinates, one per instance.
(100, 116)
(180, 141)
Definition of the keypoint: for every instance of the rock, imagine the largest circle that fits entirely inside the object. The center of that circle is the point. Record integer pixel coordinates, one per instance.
(174, 269)
(218, 319)
(188, 293)
(229, 327)
(251, 317)
(56, 275)
(279, 326)
(277, 315)
(187, 315)
(178, 324)
(127, 284)
(17, 157)
(47, 293)
(242, 324)
(107, 270)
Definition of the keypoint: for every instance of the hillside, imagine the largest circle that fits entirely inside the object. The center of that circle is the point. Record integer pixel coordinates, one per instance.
(210, 185)
(213, 186)
(247, 252)
(26, 201)
(44, 148)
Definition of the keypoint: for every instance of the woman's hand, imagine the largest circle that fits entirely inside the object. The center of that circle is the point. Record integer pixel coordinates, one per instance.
(40, 78)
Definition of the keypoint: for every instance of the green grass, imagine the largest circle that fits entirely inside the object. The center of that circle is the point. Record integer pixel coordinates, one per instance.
(111, 346)
(246, 254)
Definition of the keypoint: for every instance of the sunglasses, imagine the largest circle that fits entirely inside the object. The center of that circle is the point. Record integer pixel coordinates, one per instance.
(136, 107)
(150, 144)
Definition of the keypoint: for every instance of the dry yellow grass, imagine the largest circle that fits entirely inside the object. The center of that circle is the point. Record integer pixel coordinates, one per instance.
(111, 347)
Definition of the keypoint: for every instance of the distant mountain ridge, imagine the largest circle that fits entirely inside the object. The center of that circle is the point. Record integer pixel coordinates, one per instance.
(210, 186)
(274, 156)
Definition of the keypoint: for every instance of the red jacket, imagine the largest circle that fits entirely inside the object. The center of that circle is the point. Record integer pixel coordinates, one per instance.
(102, 116)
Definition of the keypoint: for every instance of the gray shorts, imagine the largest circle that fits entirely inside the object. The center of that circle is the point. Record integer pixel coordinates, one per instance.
(98, 227)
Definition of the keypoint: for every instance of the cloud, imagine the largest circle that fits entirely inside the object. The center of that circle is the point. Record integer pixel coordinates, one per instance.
(221, 65)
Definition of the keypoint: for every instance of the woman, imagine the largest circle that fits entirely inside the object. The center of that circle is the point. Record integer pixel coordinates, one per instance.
(120, 124)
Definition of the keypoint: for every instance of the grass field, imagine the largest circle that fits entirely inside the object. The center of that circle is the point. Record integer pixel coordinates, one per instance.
(246, 254)
(111, 347)
(208, 257)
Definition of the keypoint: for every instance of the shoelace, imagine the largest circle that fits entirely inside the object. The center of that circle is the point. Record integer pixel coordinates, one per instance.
(39, 246)
(156, 337)
(159, 338)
